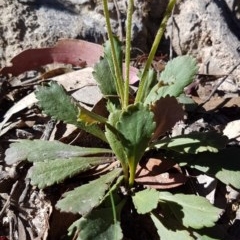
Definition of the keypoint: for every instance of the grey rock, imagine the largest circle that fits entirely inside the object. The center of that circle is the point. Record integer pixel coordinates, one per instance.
(39, 23)
(209, 31)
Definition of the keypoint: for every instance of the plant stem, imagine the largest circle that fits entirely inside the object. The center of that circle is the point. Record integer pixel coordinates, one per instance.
(152, 53)
(90, 117)
(119, 79)
(132, 170)
(128, 51)
(113, 207)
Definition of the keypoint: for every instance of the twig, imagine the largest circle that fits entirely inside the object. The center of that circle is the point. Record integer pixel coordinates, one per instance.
(120, 31)
(8, 200)
(48, 130)
(171, 37)
(219, 84)
(24, 192)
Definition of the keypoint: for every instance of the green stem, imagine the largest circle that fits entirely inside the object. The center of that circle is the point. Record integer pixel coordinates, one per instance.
(128, 51)
(154, 48)
(90, 117)
(119, 78)
(132, 173)
(113, 208)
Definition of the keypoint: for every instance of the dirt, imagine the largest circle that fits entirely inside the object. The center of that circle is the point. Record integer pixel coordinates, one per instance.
(27, 212)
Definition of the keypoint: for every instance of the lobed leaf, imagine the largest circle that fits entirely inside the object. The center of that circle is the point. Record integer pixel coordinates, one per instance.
(49, 172)
(104, 77)
(151, 81)
(109, 56)
(166, 233)
(137, 125)
(146, 200)
(194, 142)
(129, 132)
(39, 150)
(115, 139)
(224, 165)
(177, 74)
(56, 103)
(104, 71)
(86, 197)
(190, 210)
(181, 68)
(98, 224)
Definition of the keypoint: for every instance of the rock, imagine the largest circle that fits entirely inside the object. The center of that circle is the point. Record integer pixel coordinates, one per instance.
(210, 31)
(38, 23)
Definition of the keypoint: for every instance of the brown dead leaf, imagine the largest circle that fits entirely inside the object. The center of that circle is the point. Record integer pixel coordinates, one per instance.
(156, 173)
(73, 80)
(55, 72)
(218, 102)
(133, 74)
(76, 79)
(167, 111)
(22, 104)
(68, 51)
(232, 130)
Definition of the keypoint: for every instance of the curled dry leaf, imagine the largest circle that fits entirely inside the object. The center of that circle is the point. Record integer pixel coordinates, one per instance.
(68, 51)
(232, 130)
(167, 112)
(155, 173)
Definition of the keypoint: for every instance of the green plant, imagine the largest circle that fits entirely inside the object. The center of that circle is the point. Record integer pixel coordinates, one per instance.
(135, 125)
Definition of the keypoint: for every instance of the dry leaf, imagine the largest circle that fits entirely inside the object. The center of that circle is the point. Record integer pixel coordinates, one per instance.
(20, 105)
(167, 112)
(68, 51)
(70, 81)
(155, 174)
(232, 130)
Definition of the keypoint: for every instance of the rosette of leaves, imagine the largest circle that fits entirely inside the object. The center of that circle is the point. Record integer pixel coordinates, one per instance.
(134, 125)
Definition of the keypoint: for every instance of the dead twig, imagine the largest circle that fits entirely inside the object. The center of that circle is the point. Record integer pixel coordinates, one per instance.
(120, 31)
(8, 200)
(219, 84)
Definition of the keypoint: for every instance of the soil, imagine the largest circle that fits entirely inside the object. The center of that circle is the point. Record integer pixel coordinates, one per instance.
(29, 213)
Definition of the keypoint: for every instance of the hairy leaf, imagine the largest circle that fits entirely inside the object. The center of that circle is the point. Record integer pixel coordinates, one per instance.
(104, 71)
(57, 104)
(146, 200)
(99, 224)
(167, 233)
(102, 74)
(137, 125)
(223, 165)
(177, 74)
(109, 57)
(86, 197)
(39, 150)
(115, 139)
(194, 142)
(215, 233)
(49, 172)
(181, 68)
(192, 211)
(151, 80)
